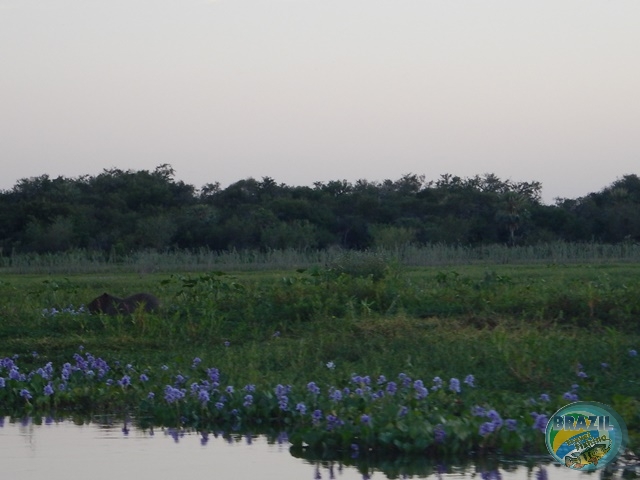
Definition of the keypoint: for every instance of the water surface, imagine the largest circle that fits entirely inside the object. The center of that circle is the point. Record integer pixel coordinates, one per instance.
(65, 451)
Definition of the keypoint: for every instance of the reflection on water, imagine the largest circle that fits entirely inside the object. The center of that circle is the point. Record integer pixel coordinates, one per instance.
(103, 450)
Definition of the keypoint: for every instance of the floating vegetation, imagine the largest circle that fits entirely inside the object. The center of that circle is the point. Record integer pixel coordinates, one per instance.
(357, 414)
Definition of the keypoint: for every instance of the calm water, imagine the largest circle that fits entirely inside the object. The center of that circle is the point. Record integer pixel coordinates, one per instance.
(64, 451)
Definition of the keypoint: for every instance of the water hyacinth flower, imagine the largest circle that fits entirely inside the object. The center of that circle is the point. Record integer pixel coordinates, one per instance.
(366, 419)
(633, 353)
(250, 388)
(331, 365)
(313, 388)
(172, 394)
(301, 408)
(392, 388)
(571, 396)
(437, 384)
(495, 418)
(511, 424)
(151, 395)
(248, 401)
(421, 390)
(540, 422)
(24, 393)
(486, 428)
(125, 381)
(144, 378)
(203, 396)
(478, 411)
(214, 375)
(335, 395)
(229, 389)
(439, 434)
(405, 380)
(403, 411)
(48, 389)
(470, 380)
(545, 397)
(454, 385)
(196, 362)
(333, 422)
(582, 374)
(316, 416)
(2, 382)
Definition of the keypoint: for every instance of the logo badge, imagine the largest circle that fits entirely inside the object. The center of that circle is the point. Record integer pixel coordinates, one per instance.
(586, 435)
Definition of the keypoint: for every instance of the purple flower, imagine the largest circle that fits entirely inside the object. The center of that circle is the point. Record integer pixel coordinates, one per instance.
(301, 408)
(144, 378)
(335, 395)
(582, 374)
(2, 382)
(421, 390)
(229, 389)
(48, 389)
(313, 388)
(151, 395)
(248, 400)
(544, 397)
(495, 418)
(486, 428)
(540, 422)
(454, 385)
(24, 393)
(570, 396)
(392, 388)
(633, 353)
(478, 411)
(366, 419)
(203, 396)
(405, 380)
(125, 381)
(511, 424)
(470, 380)
(250, 388)
(196, 362)
(316, 416)
(437, 384)
(403, 411)
(439, 434)
(172, 395)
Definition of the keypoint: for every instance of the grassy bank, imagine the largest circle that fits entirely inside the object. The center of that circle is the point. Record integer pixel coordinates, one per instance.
(523, 332)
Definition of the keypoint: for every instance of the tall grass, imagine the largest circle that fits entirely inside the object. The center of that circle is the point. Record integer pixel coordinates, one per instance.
(85, 261)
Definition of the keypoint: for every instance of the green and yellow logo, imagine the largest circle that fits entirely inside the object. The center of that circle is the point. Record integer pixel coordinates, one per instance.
(586, 435)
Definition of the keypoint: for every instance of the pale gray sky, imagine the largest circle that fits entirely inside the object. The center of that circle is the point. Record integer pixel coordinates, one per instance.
(318, 90)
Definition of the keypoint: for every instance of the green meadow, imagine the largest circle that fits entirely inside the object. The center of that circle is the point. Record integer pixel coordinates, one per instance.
(532, 335)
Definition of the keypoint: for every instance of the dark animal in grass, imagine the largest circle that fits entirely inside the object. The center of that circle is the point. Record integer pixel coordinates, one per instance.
(111, 305)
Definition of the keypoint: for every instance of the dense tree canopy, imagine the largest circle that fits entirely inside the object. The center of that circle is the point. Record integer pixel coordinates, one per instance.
(131, 210)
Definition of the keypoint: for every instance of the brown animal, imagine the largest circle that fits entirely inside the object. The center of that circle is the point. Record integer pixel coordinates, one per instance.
(111, 305)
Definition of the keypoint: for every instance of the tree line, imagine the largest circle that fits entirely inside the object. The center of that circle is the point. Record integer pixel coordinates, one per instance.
(125, 211)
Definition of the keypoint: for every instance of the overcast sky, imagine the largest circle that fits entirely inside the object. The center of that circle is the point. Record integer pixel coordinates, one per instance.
(317, 90)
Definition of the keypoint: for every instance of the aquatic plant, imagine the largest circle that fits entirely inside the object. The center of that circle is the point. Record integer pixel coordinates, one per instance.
(355, 413)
